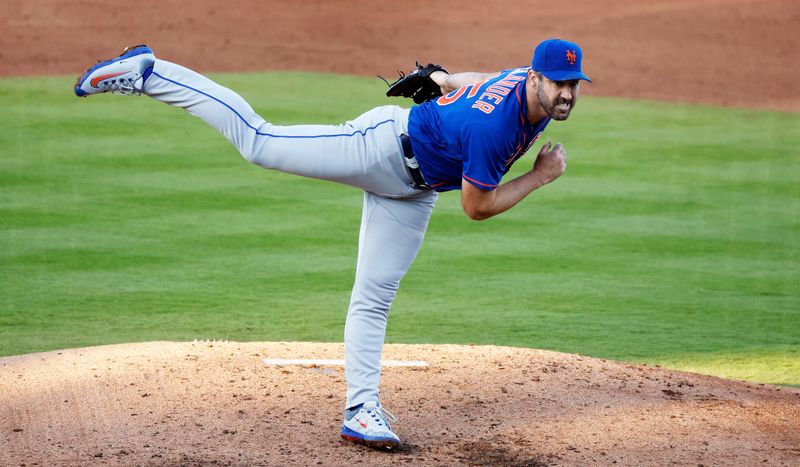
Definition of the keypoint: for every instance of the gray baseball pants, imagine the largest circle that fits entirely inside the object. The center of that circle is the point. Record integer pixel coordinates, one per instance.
(365, 153)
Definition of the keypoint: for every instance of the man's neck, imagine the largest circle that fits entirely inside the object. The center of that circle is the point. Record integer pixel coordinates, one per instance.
(537, 115)
(535, 112)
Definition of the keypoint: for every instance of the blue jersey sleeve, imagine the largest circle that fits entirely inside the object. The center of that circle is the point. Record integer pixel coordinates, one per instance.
(484, 165)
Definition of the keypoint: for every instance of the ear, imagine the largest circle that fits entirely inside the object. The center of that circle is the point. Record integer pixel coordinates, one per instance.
(533, 79)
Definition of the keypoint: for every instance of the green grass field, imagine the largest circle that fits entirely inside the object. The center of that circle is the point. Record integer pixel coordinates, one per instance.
(672, 239)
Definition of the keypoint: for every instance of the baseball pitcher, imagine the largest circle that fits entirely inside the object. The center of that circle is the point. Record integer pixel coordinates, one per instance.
(466, 133)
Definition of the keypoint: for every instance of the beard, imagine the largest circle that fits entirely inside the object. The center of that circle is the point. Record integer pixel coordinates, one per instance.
(558, 108)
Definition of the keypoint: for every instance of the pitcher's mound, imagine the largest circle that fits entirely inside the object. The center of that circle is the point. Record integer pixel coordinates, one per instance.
(219, 403)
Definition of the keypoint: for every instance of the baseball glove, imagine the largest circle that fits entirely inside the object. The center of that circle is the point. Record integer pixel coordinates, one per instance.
(417, 85)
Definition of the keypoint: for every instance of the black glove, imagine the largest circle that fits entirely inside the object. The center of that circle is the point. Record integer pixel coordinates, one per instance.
(417, 85)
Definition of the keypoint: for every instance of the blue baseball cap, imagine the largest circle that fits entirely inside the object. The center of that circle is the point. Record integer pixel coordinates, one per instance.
(559, 60)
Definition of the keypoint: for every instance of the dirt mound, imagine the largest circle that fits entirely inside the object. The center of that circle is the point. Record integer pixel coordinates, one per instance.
(726, 52)
(219, 403)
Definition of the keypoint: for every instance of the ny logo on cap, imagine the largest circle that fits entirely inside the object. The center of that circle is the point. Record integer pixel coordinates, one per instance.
(571, 57)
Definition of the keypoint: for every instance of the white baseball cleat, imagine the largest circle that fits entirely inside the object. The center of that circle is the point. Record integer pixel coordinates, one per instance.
(370, 426)
(124, 74)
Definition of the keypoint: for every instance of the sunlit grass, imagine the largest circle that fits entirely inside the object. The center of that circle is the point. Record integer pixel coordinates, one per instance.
(673, 238)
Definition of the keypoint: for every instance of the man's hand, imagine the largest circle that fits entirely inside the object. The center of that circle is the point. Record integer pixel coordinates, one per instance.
(550, 163)
(441, 78)
(481, 204)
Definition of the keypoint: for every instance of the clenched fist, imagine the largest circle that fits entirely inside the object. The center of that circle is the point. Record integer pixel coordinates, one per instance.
(550, 163)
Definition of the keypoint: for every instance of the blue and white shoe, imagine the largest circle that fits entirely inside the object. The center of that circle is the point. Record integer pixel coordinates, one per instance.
(125, 74)
(370, 426)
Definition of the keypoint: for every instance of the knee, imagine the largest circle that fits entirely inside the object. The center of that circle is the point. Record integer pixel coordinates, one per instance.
(369, 308)
(249, 153)
(373, 302)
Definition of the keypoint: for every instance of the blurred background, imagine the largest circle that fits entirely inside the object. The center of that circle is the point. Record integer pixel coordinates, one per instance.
(672, 239)
(725, 52)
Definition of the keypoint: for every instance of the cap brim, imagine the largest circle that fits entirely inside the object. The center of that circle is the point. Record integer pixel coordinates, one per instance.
(565, 75)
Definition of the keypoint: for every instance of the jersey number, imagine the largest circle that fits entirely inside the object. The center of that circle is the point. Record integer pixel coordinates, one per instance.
(493, 95)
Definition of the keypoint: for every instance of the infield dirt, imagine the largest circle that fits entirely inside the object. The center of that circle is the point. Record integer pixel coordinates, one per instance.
(726, 52)
(218, 403)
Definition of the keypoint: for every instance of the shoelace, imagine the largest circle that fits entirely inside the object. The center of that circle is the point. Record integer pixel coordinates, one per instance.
(122, 86)
(386, 415)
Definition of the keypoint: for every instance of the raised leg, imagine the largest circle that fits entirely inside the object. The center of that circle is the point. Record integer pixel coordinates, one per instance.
(365, 152)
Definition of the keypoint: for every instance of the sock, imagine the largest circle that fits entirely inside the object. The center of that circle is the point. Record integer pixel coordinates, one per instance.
(349, 413)
(147, 74)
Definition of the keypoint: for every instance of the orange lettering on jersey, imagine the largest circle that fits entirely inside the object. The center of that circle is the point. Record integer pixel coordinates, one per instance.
(452, 97)
(489, 96)
(497, 89)
(484, 107)
(512, 80)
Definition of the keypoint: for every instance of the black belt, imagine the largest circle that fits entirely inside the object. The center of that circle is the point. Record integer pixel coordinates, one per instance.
(413, 166)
